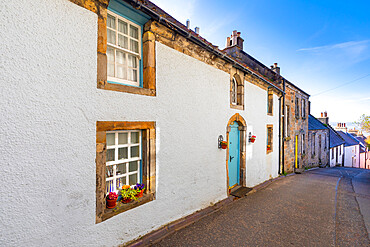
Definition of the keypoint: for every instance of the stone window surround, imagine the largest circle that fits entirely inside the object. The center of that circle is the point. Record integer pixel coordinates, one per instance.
(148, 162)
(270, 102)
(272, 137)
(148, 55)
(239, 78)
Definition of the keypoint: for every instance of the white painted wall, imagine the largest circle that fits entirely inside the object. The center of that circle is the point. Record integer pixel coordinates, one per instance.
(352, 153)
(340, 155)
(50, 105)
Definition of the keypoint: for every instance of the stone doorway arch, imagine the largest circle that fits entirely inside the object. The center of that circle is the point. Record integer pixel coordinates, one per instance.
(242, 147)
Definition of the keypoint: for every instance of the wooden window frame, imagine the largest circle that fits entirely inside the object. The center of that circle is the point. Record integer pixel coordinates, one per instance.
(148, 132)
(268, 141)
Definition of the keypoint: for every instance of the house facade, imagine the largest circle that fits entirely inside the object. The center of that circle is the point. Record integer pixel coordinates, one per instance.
(351, 150)
(111, 93)
(318, 143)
(294, 108)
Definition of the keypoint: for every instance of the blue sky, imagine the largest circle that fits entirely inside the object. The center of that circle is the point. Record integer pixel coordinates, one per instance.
(319, 45)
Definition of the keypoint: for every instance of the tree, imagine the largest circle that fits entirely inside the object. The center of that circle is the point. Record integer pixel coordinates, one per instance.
(367, 141)
(364, 123)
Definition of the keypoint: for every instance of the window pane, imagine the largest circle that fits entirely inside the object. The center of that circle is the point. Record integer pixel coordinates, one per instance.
(121, 169)
(120, 57)
(122, 41)
(109, 186)
(135, 137)
(135, 151)
(111, 37)
(132, 61)
(111, 21)
(134, 46)
(133, 179)
(120, 182)
(122, 26)
(133, 167)
(134, 32)
(132, 74)
(109, 171)
(110, 69)
(122, 138)
(122, 153)
(110, 154)
(121, 72)
(110, 138)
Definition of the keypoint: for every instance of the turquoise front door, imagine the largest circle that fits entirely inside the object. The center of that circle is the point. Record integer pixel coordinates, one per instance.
(234, 142)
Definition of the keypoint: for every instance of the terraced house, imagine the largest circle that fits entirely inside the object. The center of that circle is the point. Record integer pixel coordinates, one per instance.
(111, 93)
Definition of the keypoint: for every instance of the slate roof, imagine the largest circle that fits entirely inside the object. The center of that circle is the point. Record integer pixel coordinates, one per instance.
(334, 138)
(348, 138)
(315, 124)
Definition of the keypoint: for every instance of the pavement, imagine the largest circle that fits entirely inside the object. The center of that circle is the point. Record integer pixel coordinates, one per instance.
(321, 207)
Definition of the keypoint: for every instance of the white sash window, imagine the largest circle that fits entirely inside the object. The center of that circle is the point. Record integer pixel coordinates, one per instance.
(123, 50)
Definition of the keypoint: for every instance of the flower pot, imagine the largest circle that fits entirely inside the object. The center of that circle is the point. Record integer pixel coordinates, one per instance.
(223, 146)
(139, 194)
(126, 200)
(111, 203)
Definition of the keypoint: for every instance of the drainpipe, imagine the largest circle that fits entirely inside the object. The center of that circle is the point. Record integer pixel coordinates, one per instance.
(280, 139)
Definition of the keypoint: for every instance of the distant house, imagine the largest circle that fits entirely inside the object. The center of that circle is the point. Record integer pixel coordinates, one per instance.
(336, 143)
(364, 150)
(318, 143)
(351, 149)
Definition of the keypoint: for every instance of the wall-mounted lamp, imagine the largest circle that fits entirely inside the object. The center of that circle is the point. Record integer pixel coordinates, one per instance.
(251, 137)
(221, 143)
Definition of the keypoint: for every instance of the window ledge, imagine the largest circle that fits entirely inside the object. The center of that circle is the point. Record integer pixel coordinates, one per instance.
(127, 89)
(122, 207)
(238, 107)
(268, 151)
(270, 114)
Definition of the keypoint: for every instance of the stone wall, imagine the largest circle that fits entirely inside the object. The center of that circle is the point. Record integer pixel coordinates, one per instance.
(317, 154)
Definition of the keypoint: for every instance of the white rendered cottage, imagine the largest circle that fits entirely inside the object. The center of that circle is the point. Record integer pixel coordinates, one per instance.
(98, 96)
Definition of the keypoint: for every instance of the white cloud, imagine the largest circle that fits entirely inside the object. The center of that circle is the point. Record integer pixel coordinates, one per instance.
(353, 45)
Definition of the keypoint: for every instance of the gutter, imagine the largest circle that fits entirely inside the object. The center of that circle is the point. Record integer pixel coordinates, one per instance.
(185, 33)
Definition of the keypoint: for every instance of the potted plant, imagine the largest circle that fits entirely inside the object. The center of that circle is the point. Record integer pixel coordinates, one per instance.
(112, 199)
(223, 144)
(140, 189)
(128, 194)
(252, 139)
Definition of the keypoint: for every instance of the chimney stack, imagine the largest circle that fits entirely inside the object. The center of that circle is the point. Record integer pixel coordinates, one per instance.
(235, 40)
(275, 68)
(324, 118)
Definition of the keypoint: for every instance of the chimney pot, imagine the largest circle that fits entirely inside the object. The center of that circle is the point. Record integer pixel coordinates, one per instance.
(322, 114)
(275, 64)
(197, 30)
(187, 23)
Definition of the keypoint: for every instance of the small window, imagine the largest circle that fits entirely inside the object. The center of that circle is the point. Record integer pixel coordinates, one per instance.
(123, 159)
(303, 110)
(234, 93)
(125, 155)
(123, 50)
(296, 107)
(270, 101)
(287, 122)
(269, 138)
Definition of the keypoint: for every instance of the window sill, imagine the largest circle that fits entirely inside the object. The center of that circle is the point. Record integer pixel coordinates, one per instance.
(238, 107)
(268, 151)
(270, 114)
(122, 207)
(127, 89)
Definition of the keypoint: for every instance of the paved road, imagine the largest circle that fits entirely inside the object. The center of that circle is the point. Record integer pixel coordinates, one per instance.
(322, 207)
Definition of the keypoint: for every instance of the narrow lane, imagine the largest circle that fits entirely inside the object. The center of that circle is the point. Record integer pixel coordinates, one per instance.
(304, 210)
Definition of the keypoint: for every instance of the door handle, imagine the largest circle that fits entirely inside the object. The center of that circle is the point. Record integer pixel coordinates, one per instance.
(231, 158)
